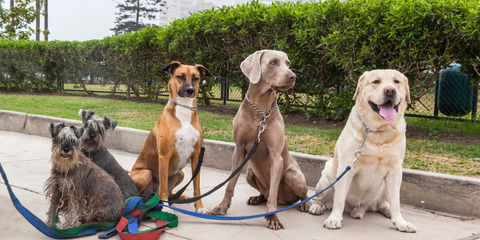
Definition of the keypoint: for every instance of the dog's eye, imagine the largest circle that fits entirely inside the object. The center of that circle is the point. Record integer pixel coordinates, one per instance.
(194, 79)
(376, 81)
(181, 77)
(396, 81)
(288, 64)
(273, 62)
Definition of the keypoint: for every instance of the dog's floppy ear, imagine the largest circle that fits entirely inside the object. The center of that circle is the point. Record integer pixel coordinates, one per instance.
(172, 67)
(203, 71)
(77, 130)
(252, 68)
(54, 128)
(407, 89)
(109, 122)
(85, 115)
(359, 85)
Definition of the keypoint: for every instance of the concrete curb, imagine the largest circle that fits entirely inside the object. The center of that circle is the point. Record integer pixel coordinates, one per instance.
(433, 191)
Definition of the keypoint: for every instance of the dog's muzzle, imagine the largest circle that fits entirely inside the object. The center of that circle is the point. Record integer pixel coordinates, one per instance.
(386, 111)
(65, 150)
(187, 91)
(92, 135)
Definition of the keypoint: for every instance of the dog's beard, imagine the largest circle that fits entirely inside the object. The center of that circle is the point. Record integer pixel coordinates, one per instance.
(65, 200)
(90, 145)
(62, 164)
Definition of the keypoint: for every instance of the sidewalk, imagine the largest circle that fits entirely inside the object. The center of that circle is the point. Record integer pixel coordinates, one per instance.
(25, 159)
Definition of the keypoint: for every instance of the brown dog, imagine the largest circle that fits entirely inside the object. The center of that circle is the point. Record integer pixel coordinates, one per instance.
(174, 140)
(271, 170)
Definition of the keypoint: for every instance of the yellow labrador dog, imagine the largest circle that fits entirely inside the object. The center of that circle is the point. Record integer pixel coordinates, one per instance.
(374, 182)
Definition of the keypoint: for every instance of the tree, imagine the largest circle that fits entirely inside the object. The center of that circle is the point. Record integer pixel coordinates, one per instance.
(133, 13)
(15, 21)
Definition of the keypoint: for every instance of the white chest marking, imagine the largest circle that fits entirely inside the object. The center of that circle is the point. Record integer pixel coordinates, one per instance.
(187, 136)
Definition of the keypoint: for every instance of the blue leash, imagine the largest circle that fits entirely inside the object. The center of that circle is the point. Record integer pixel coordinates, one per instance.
(214, 217)
(135, 202)
(35, 221)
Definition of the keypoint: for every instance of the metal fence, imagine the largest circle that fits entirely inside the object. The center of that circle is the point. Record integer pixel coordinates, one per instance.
(452, 97)
(225, 91)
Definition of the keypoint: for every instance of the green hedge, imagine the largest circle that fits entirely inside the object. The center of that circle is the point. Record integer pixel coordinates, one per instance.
(329, 44)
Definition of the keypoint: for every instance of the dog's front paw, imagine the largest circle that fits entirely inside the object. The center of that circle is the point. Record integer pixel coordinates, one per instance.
(168, 210)
(219, 210)
(316, 208)
(333, 222)
(404, 226)
(273, 222)
(201, 210)
(305, 207)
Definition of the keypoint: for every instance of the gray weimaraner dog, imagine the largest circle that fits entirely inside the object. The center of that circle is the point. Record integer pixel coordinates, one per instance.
(271, 170)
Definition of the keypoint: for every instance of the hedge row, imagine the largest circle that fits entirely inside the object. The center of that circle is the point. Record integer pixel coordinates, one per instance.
(329, 44)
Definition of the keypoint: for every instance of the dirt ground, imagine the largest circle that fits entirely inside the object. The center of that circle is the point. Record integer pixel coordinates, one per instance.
(297, 118)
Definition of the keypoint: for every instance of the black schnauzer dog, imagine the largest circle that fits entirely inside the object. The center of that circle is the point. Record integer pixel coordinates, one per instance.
(79, 191)
(92, 141)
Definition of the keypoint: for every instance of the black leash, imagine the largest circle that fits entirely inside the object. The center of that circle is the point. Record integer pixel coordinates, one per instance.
(177, 195)
(190, 200)
(174, 198)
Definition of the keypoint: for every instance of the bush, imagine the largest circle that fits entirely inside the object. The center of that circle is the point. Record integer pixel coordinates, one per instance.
(330, 44)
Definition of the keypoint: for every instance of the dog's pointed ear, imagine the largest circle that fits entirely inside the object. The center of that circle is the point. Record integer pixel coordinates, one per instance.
(54, 128)
(85, 115)
(108, 122)
(78, 131)
(203, 71)
(407, 89)
(359, 85)
(252, 68)
(172, 67)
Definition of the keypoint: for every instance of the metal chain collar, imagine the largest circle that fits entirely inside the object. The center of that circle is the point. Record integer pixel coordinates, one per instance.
(191, 108)
(185, 106)
(265, 116)
(361, 148)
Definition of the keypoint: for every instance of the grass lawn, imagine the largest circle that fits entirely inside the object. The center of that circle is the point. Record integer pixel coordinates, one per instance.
(425, 155)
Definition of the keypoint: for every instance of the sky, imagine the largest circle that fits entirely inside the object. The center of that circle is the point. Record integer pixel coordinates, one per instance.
(78, 20)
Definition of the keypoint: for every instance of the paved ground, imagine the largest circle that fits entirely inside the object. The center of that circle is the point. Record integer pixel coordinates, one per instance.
(25, 159)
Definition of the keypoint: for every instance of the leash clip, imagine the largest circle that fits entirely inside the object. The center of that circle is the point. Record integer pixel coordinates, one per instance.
(262, 125)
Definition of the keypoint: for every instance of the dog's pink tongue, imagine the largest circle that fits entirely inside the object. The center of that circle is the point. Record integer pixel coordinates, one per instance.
(387, 111)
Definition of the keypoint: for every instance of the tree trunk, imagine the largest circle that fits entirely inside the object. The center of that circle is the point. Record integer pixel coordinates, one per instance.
(46, 20)
(37, 30)
(85, 88)
(138, 10)
(287, 102)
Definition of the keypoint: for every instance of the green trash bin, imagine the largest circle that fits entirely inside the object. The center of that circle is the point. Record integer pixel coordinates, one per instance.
(454, 92)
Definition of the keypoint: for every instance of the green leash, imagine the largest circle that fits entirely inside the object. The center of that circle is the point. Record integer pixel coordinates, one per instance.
(103, 226)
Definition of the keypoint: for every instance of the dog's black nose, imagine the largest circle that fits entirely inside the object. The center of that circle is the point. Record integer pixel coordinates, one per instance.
(92, 135)
(389, 91)
(66, 149)
(190, 90)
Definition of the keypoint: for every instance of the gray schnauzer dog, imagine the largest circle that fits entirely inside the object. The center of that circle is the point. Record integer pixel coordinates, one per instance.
(79, 191)
(92, 141)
